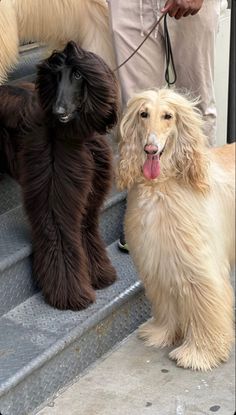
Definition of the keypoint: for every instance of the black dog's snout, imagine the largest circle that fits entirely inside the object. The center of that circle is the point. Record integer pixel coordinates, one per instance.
(62, 113)
(59, 110)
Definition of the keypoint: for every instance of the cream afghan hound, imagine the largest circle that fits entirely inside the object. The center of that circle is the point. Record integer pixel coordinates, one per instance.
(53, 22)
(179, 226)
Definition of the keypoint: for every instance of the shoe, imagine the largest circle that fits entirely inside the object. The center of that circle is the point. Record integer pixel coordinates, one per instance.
(122, 245)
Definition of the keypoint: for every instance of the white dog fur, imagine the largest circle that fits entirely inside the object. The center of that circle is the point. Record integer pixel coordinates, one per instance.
(180, 227)
(53, 22)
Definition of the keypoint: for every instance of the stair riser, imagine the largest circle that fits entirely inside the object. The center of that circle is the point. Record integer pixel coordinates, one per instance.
(16, 283)
(72, 360)
(111, 222)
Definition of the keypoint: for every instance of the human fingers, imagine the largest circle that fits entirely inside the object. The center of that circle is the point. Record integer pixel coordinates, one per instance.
(173, 12)
(168, 6)
(187, 13)
(181, 12)
(194, 12)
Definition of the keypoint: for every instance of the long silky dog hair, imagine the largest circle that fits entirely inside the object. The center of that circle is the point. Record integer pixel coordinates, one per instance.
(64, 165)
(180, 225)
(53, 23)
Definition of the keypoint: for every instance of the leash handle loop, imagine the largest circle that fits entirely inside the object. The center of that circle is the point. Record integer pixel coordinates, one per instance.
(168, 51)
(169, 56)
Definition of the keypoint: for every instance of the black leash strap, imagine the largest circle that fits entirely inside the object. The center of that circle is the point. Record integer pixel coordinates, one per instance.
(141, 44)
(170, 65)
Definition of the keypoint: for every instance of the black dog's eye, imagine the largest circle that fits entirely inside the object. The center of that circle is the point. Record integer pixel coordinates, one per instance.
(144, 114)
(167, 116)
(77, 75)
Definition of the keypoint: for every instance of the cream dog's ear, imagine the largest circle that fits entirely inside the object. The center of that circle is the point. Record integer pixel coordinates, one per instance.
(189, 155)
(130, 151)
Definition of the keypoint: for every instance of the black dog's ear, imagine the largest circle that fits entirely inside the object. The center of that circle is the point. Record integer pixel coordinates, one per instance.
(72, 49)
(112, 118)
(101, 109)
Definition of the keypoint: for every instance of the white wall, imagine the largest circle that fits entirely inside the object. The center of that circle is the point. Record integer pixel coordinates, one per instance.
(221, 76)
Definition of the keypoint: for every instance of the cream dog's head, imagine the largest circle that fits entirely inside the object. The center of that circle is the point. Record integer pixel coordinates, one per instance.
(161, 135)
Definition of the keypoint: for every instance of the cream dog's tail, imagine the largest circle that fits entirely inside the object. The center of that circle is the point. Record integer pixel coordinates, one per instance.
(56, 22)
(8, 39)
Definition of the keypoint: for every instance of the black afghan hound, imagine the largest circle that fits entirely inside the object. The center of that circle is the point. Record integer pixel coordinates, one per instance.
(53, 142)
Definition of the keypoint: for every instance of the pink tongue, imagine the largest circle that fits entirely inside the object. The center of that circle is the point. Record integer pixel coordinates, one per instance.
(151, 167)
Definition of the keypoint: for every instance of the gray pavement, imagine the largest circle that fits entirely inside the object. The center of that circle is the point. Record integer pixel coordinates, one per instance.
(136, 380)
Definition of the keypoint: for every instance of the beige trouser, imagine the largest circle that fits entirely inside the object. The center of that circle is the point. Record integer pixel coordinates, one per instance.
(193, 45)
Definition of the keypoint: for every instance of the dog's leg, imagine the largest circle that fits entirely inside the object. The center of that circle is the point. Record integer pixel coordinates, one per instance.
(102, 272)
(208, 320)
(55, 193)
(60, 268)
(162, 329)
(8, 154)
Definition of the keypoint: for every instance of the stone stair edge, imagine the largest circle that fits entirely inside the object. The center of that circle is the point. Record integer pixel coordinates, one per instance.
(25, 248)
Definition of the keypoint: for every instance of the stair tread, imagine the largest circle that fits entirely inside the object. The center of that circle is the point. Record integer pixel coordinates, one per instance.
(15, 237)
(10, 194)
(15, 240)
(42, 331)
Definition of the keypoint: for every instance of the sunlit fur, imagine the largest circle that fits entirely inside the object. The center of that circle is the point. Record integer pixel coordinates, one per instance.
(64, 169)
(53, 22)
(180, 228)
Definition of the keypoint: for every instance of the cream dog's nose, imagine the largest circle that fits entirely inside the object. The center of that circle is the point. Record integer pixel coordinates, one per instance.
(150, 149)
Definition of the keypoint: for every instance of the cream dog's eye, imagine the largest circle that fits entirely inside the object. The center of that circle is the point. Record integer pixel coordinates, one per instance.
(167, 116)
(144, 114)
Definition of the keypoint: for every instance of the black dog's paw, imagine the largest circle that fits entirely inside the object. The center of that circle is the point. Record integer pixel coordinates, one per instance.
(74, 302)
(107, 276)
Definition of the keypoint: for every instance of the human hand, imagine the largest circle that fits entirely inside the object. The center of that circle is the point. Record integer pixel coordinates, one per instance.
(182, 8)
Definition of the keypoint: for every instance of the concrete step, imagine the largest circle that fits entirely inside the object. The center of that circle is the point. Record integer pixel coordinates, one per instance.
(137, 380)
(9, 194)
(29, 56)
(42, 349)
(16, 283)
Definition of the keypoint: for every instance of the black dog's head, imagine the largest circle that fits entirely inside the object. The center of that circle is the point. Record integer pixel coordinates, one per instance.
(75, 84)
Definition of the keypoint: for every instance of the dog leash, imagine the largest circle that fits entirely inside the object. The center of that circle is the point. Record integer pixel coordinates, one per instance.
(169, 56)
(168, 51)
